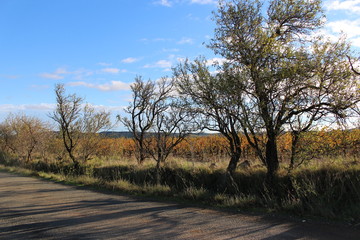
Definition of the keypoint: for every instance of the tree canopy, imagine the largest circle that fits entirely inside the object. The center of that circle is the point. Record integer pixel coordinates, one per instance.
(279, 73)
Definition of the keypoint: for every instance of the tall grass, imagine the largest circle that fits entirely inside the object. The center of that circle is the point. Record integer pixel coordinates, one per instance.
(327, 189)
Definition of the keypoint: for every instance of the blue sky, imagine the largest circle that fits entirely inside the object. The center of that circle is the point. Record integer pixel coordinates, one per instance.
(97, 47)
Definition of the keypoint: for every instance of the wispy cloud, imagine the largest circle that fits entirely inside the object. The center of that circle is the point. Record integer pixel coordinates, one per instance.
(51, 76)
(170, 50)
(165, 3)
(104, 64)
(203, 2)
(39, 87)
(112, 86)
(170, 3)
(110, 70)
(186, 40)
(60, 73)
(23, 107)
(147, 40)
(130, 60)
(57, 74)
(160, 64)
(10, 76)
(48, 107)
(192, 17)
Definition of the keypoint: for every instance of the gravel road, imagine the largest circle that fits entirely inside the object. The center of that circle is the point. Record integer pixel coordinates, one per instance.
(31, 208)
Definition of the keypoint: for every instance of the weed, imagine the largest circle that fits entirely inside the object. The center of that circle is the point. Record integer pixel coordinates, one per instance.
(193, 193)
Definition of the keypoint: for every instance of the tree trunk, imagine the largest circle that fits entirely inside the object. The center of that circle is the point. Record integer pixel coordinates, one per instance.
(272, 161)
(72, 157)
(141, 158)
(226, 183)
(235, 157)
(295, 140)
(157, 172)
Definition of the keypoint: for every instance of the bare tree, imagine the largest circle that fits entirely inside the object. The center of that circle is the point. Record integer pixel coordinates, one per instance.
(78, 125)
(157, 120)
(147, 104)
(171, 126)
(68, 117)
(92, 123)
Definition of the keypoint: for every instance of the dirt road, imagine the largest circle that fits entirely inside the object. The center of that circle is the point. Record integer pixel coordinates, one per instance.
(35, 209)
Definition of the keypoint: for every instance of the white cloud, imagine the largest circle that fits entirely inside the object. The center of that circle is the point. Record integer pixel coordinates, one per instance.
(51, 76)
(186, 40)
(213, 61)
(110, 70)
(350, 28)
(160, 64)
(60, 73)
(10, 76)
(112, 86)
(146, 40)
(170, 50)
(130, 60)
(165, 3)
(39, 87)
(355, 42)
(348, 5)
(192, 17)
(81, 73)
(23, 107)
(57, 74)
(104, 64)
(170, 3)
(44, 108)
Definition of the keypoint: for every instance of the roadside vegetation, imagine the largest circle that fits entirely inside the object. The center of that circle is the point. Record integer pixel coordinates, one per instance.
(325, 185)
(282, 108)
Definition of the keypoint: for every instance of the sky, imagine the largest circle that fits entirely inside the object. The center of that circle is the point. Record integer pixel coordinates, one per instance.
(96, 48)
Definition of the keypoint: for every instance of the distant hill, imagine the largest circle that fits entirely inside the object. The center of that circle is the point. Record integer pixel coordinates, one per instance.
(115, 134)
(123, 134)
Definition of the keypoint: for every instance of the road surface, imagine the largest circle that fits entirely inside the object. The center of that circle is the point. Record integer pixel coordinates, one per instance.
(32, 208)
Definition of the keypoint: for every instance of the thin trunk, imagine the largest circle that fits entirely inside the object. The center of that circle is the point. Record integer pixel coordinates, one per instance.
(29, 152)
(294, 142)
(141, 151)
(226, 182)
(158, 164)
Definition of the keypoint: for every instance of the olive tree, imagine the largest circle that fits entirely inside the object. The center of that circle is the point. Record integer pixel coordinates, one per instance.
(206, 97)
(277, 72)
(288, 71)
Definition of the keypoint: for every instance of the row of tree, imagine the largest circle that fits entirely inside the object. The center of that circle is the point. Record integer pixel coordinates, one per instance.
(277, 76)
(77, 127)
